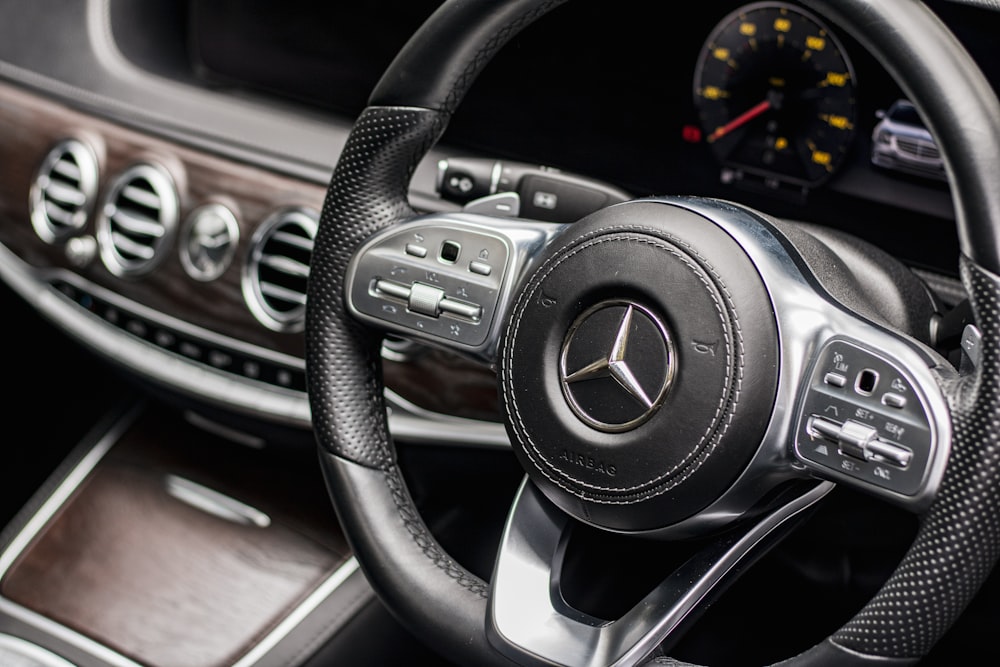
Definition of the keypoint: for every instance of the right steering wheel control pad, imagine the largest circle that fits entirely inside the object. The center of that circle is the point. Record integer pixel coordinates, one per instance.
(863, 417)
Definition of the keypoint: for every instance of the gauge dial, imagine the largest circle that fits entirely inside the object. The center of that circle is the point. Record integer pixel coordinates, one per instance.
(775, 94)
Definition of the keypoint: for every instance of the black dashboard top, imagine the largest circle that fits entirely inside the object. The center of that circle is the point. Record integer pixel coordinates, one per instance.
(621, 96)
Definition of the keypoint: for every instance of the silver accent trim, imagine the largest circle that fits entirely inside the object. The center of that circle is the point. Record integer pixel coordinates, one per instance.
(993, 5)
(194, 237)
(442, 169)
(258, 293)
(68, 487)
(38, 521)
(122, 254)
(972, 344)
(21, 653)
(107, 656)
(53, 223)
(495, 175)
(524, 239)
(225, 432)
(300, 613)
(807, 319)
(212, 502)
(417, 425)
(240, 395)
(81, 250)
(65, 489)
(524, 617)
(500, 203)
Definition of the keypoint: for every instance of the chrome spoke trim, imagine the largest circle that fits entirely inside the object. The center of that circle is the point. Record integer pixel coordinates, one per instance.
(524, 620)
(445, 279)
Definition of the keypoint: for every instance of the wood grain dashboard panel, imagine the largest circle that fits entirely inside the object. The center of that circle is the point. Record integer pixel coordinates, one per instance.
(30, 125)
(128, 563)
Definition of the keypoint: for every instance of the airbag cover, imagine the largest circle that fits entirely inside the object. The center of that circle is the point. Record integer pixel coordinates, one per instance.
(639, 366)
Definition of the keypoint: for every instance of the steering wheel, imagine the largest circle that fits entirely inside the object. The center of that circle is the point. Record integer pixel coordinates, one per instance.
(674, 367)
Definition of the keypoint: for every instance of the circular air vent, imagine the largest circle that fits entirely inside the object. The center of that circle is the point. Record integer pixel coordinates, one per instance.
(274, 277)
(138, 220)
(63, 191)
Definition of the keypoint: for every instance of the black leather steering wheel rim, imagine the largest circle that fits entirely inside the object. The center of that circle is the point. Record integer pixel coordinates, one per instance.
(959, 539)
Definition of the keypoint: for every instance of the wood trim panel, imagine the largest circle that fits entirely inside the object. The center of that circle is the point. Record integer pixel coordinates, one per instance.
(30, 125)
(129, 565)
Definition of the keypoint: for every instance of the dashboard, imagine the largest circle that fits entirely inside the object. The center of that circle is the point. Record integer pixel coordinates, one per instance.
(169, 179)
(164, 165)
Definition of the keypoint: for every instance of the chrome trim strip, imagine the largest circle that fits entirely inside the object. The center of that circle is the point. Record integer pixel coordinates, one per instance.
(59, 497)
(807, 318)
(35, 525)
(65, 489)
(524, 615)
(414, 424)
(244, 396)
(300, 613)
(63, 634)
(223, 431)
(212, 502)
(20, 650)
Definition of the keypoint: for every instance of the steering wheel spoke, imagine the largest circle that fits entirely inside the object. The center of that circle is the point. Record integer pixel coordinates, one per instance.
(665, 367)
(530, 621)
(873, 416)
(446, 279)
(861, 403)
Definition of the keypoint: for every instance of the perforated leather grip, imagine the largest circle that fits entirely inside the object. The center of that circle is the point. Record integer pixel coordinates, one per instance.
(367, 194)
(958, 541)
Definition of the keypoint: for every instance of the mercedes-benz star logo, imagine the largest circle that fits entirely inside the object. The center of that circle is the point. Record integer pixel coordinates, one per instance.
(616, 366)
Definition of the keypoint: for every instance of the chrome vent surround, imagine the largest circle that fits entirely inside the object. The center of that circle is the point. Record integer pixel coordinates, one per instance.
(138, 220)
(276, 270)
(62, 194)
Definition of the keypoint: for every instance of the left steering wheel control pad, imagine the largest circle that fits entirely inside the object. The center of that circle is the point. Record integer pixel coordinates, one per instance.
(639, 366)
(434, 280)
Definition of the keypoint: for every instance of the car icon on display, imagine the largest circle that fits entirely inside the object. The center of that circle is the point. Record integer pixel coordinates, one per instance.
(901, 142)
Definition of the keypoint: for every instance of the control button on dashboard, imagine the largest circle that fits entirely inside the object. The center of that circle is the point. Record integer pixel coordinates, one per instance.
(164, 338)
(136, 328)
(425, 299)
(835, 379)
(219, 359)
(894, 401)
(416, 250)
(469, 311)
(393, 289)
(482, 268)
(190, 350)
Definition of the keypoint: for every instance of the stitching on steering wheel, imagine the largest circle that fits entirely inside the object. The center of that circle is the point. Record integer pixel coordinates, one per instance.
(425, 541)
(464, 80)
(727, 403)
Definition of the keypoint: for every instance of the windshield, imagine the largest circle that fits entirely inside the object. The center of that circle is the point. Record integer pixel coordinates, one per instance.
(906, 113)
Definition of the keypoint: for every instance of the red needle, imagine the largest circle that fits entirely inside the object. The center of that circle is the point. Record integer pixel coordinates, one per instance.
(743, 118)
